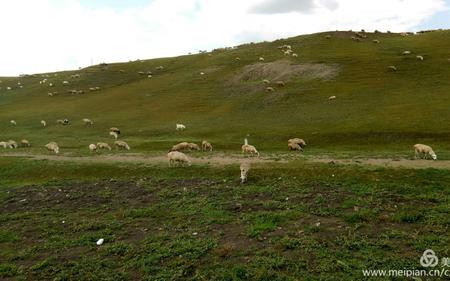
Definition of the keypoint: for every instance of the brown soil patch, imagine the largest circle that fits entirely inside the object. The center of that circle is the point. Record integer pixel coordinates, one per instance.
(77, 196)
(285, 70)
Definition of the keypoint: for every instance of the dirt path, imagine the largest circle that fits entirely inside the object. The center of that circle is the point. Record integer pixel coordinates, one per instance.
(384, 162)
(216, 160)
(224, 159)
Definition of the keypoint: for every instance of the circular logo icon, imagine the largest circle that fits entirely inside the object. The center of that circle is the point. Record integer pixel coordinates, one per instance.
(429, 259)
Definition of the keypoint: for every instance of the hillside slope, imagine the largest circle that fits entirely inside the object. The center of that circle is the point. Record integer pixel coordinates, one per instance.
(373, 105)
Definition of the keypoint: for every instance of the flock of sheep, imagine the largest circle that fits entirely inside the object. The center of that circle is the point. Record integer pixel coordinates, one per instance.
(175, 154)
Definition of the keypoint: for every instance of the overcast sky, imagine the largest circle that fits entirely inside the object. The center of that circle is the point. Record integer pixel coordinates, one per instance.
(50, 35)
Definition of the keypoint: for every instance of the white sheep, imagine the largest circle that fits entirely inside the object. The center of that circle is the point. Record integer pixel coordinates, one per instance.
(206, 146)
(43, 123)
(270, 89)
(294, 55)
(332, 97)
(178, 157)
(261, 59)
(246, 148)
(103, 145)
(180, 127)
(422, 151)
(419, 57)
(88, 121)
(63, 121)
(114, 134)
(92, 147)
(121, 145)
(265, 81)
(298, 141)
(25, 143)
(13, 122)
(406, 53)
(392, 67)
(4, 144)
(376, 41)
(180, 146)
(245, 168)
(65, 82)
(12, 144)
(52, 146)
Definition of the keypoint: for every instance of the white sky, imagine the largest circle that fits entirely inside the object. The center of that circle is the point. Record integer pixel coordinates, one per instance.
(50, 35)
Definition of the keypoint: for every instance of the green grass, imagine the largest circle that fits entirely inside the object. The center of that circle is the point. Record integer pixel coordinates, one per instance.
(291, 221)
(375, 108)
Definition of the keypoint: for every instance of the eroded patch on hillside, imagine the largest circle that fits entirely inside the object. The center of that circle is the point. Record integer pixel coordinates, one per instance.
(285, 70)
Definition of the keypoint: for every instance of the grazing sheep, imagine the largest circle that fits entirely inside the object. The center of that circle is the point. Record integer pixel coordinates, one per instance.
(43, 123)
(93, 147)
(245, 168)
(422, 151)
(406, 53)
(206, 146)
(114, 134)
(376, 41)
(294, 55)
(88, 121)
(178, 157)
(419, 57)
(332, 97)
(298, 141)
(202, 73)
(25, 143)
(115, 130)
(270, 89)
(280, 83)
(193, 146)
(180, 146)
(392, 68)
(103, 145)
(160, 67)
(12, 144)
(13, 122)
(261, 59)
(180, 127)
(121, 145)
(246, 148)
(63, 121)
(52, 146)
(294, 146)
(4, 144)
(237, 58)
(65, 82)
(265, 81)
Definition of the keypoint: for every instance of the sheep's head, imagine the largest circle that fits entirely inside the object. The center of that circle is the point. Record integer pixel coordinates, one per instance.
(56, 150)
(434, 156)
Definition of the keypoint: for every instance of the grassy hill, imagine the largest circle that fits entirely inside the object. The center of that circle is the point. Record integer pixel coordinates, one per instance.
(375, 107)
